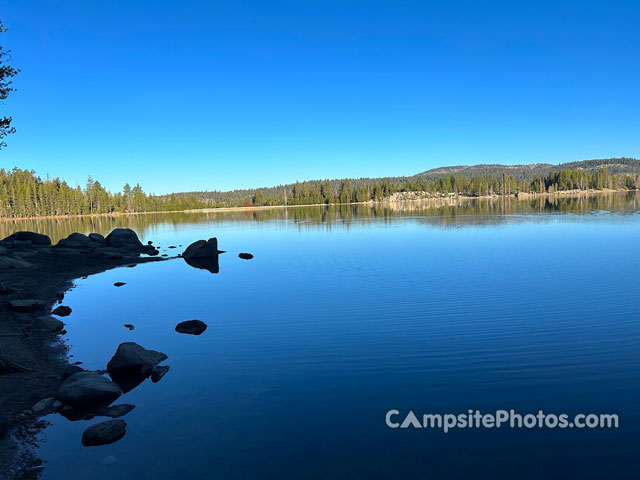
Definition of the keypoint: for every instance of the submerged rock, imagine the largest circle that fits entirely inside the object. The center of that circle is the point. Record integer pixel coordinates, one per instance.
(115, 411)
(192, 327)
(104, 433)
(62, 311)
(32, 237)
(27, 305)
(119, 284)
(85, 389)
(245, 256)
(130, 326)
(130, 358)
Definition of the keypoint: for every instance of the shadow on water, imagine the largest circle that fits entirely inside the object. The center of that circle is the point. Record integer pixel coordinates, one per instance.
(440, 212)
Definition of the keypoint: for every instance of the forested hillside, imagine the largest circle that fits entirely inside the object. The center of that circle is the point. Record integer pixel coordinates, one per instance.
(23, 194)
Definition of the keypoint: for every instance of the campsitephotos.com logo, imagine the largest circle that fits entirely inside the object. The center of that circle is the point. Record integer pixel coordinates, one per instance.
(500, 419)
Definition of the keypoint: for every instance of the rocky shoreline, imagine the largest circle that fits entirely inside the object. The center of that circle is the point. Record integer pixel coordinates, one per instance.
(34, 276)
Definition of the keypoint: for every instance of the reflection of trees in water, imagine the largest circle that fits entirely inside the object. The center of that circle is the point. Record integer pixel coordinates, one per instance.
(443, 212)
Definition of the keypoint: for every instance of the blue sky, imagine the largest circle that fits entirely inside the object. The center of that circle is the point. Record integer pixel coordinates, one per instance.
(220, 95)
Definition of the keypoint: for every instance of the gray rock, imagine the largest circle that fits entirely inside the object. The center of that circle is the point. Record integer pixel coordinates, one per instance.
(191, 327)
(34, 238)
(124, 238)
(47, 324)
(109, 460)
(96, 237)
(130, 358)
(62, 311)
(158, 372)
(27, 305)
(43, 405)
(104, 433)
(202, 249)
(75, 240)
(85, 389)
(115, 411)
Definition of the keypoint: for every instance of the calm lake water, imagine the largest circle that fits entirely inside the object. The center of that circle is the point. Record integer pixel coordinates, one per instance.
(346, 313)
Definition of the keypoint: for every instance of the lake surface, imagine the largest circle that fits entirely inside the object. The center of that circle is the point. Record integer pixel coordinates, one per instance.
(347, 313)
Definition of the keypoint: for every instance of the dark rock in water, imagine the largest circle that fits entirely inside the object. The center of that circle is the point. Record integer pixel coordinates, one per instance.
(245, 256)
(28, 305)
(124, 238)
(132, 265)
(75, 240)
(96, 237)
(129, 326)
(115, 411)
(6, 289)
(150, 242)
(104, 433)
(202, 249)
(152, 252)
(172, 246)
(131, 357)
(158, 372)
(85, 389)
(60, 294)
(192, 327)
(119, 284)
(34, 238)
(47, 324)
(62, 311)
(164, 255)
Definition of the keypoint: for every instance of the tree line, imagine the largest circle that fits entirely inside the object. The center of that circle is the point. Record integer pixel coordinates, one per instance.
(23, 194)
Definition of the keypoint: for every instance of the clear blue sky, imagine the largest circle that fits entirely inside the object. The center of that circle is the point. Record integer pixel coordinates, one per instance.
(187, 95)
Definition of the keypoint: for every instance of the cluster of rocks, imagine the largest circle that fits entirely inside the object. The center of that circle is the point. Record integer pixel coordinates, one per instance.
(16, 249)
(84, 395)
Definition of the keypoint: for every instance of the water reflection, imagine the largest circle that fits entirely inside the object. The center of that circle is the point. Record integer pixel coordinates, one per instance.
(445, 212)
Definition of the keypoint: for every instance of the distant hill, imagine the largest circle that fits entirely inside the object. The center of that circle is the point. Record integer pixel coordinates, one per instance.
(533, 170)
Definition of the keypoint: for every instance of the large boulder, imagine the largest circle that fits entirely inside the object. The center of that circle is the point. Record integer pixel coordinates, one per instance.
(104, 433)
(86, 389)
(34, 238)
(124, 238)
(202, 249)
(75, 240)
(131, 358)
